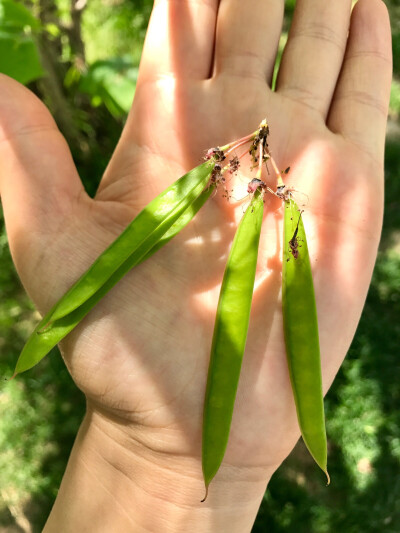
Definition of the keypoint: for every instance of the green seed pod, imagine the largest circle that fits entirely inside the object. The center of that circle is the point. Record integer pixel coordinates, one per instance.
(52, 330)
(139, 237)
(229, 339)
(301, 335)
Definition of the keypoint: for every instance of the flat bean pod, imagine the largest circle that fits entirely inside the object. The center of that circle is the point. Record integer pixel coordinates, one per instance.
(229, 339)
(301, 335)
(182, 220)
(43, 339)
(140, 236)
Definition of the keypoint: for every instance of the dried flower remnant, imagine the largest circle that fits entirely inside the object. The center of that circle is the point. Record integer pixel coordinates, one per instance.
(215, 153)
(260, 156)
(294, 241)
(255, 184)
(234, 164)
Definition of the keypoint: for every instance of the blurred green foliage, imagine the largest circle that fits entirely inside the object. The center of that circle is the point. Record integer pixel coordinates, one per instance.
(96, 69)
(111, 82)
(19, 57)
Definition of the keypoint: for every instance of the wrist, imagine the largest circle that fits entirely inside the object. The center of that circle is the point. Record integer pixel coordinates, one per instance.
(114, 483)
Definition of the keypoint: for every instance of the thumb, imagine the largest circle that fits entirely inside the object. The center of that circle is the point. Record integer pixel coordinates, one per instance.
(39, 184)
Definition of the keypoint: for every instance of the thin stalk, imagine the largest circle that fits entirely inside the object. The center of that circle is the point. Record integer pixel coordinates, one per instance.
(276, 170)
(260, 161)
(239, 142)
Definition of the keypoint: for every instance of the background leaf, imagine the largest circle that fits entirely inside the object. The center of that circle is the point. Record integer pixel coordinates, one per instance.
(112, 81)
(19, 57)
(15, 16)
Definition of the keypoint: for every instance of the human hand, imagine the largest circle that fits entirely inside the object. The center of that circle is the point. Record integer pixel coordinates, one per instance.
(141, 356)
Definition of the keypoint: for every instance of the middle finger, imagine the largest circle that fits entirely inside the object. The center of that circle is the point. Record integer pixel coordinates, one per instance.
(247, 37)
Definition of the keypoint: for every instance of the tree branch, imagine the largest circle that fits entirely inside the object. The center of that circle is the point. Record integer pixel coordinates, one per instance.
(51, 85)
(75, 31)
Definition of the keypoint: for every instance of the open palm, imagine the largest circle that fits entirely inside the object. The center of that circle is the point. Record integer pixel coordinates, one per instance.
(141, 355)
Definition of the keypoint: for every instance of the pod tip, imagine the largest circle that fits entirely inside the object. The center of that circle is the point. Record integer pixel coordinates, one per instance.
(205, 497)
(327, 477)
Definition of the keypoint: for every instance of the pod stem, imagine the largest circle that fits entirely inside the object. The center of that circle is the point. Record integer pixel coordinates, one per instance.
(227, 148)
(276, 170)
(237, 145)
(243, 154)
(328, 477)
(260, 162)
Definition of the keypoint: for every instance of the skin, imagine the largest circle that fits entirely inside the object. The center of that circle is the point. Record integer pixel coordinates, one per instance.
(141, 356)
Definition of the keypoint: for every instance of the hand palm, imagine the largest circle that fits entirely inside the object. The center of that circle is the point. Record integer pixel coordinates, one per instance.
(141, 356)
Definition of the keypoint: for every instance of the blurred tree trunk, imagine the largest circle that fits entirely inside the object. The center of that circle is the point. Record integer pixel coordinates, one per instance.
(52, 85)
(75, 32)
